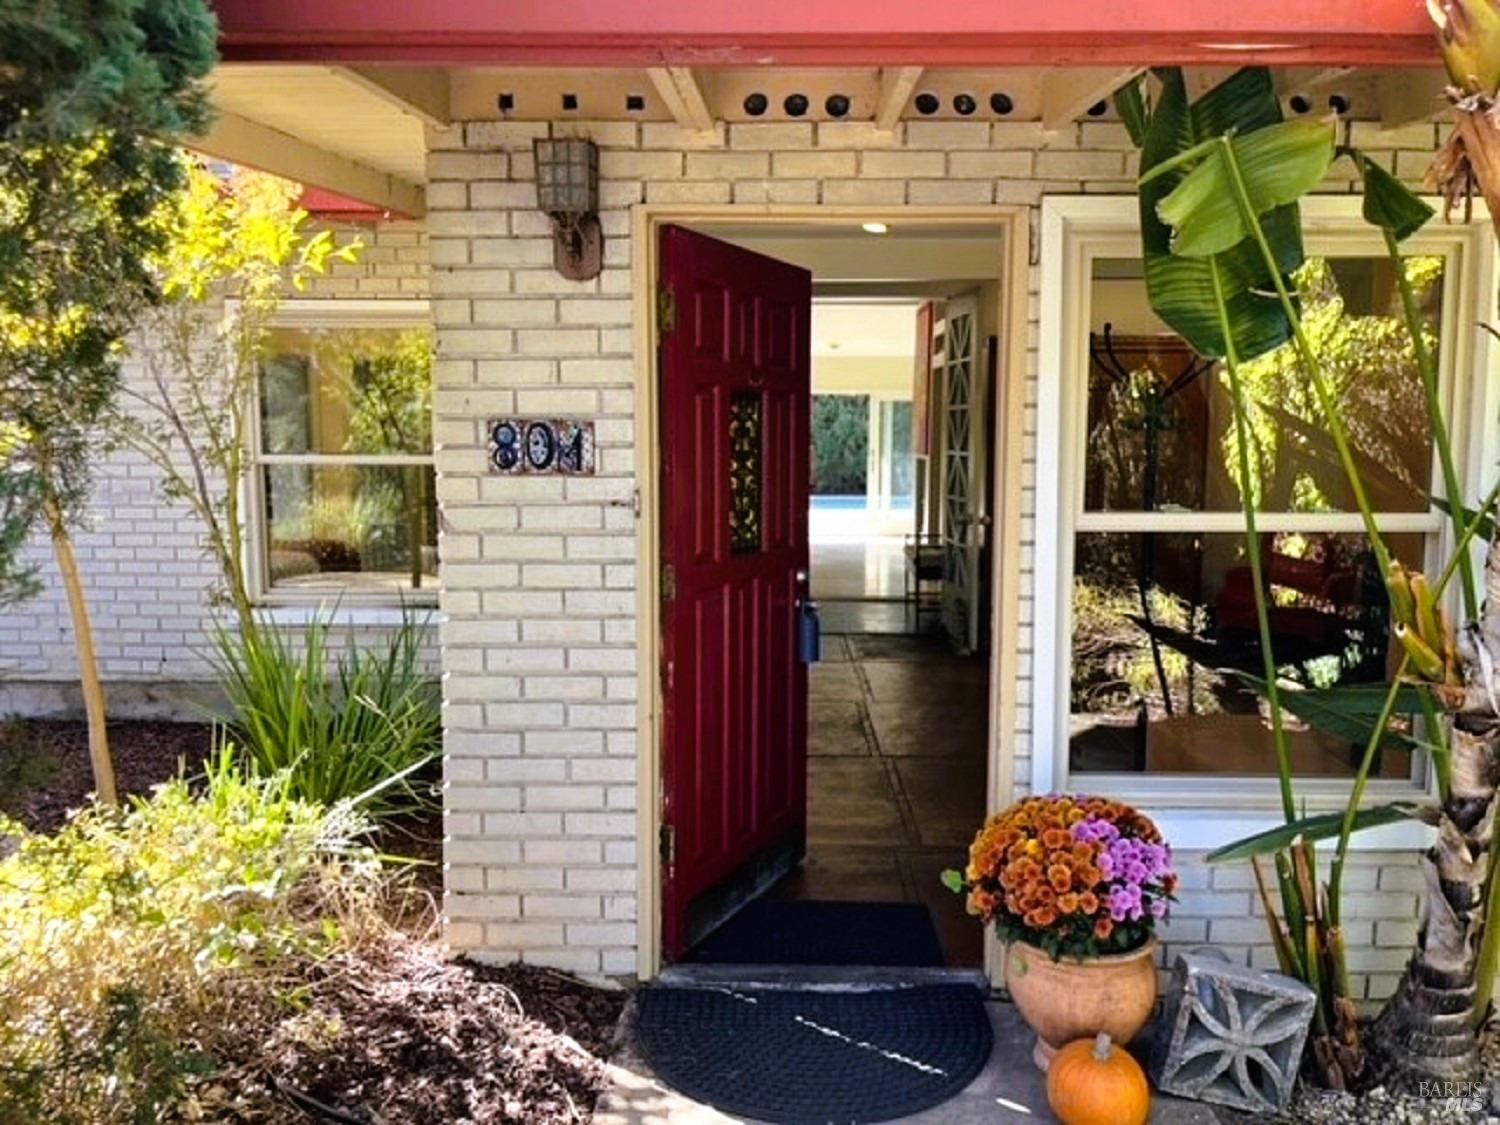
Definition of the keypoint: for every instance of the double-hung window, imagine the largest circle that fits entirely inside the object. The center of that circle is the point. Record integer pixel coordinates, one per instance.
(342, 487)
(1145, 615)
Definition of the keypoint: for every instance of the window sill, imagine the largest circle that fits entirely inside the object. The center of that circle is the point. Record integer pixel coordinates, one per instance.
(383, 615)
(1201, 830)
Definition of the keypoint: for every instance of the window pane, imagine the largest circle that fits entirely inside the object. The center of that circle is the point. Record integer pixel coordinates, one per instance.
(1160, 428)
(347, 390)
(1157, 618)
(841, 445)
(357, 527)
(900, 465)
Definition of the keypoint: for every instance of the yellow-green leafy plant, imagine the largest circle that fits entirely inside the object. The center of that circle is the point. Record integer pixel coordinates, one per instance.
(137, 943)
(236, 248)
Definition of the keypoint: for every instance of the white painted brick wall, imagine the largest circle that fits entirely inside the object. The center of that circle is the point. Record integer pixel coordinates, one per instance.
(143, 570)
(539, 641)
(538, 576)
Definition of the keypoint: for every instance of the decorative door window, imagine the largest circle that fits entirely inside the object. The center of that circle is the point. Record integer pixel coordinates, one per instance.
(744, 471)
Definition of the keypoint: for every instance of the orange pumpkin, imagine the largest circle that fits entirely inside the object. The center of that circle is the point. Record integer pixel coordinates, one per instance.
(1093, 1082)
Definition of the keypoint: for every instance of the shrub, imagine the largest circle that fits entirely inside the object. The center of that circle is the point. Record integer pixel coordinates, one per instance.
(361, 731)
(135, 943)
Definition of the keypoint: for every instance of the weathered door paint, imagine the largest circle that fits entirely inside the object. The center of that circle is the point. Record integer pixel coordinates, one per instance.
(735, 397)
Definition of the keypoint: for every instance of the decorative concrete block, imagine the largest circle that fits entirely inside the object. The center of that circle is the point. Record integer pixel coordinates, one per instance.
(1231, 1034)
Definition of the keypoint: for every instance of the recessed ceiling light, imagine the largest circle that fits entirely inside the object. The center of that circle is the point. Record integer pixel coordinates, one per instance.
(874, 228)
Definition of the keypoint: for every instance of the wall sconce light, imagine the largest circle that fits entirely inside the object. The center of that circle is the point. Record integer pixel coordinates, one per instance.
(567, 188)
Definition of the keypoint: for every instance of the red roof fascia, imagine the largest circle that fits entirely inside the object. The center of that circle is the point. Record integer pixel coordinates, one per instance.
(327, 204)
(829, 32)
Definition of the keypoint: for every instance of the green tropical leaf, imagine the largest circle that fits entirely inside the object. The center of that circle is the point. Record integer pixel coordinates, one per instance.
(1486, 528)
(1181, 289)
(1278, 164)
(1349, 710)
(1324, 826)
(1130, 104)
(1390, 204)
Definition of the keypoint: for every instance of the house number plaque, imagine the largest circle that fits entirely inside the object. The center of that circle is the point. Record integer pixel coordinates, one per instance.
(562, 446)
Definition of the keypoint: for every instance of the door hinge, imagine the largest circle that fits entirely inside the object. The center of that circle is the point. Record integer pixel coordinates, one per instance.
(666, 311)
(668, 582)
(668, 845)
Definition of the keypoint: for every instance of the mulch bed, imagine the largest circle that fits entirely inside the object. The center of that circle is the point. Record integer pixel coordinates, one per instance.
(45, 771)
(390, 1034)
(397, 1035)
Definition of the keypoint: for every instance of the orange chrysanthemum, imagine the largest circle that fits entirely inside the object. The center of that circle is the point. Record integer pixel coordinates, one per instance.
(1027, 871)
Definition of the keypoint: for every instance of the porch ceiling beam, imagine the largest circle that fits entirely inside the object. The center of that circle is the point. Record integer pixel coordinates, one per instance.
(1201, 79)
(1067, 94)
(679, 89)
(1406, 98)
(422, 92)
(962, 33)
(896, 86)
(243, 141)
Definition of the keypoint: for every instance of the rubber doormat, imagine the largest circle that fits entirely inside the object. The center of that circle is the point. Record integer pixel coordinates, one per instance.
(776, 932)
(801, 1057)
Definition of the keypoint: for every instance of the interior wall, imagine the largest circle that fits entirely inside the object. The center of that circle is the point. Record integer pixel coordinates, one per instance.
(887, 375)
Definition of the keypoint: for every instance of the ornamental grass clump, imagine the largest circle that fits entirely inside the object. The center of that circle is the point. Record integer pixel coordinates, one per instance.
(360, 722)
(1075, 876)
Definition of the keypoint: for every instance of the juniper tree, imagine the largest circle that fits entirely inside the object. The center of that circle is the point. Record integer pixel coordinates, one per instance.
(93, 94)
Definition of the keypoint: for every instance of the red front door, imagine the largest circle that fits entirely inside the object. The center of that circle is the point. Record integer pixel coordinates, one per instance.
(735, 400)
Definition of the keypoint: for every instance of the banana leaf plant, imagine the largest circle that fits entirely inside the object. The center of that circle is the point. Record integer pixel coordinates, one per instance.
(1221, 237)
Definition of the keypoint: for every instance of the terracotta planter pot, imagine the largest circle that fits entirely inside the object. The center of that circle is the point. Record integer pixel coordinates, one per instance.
(1076, 999)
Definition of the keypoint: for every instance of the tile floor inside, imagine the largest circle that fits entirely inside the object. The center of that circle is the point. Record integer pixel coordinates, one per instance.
(858, 568)
(896, 774)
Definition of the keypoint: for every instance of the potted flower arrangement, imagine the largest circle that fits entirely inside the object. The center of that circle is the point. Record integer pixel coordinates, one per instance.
(1074, 886)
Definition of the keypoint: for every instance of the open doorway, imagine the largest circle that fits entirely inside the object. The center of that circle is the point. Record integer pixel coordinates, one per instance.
(862, 516)
(899, 441)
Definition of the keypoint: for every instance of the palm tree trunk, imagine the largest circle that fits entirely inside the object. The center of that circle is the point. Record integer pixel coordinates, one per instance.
(88, 663)
(1429, 1028)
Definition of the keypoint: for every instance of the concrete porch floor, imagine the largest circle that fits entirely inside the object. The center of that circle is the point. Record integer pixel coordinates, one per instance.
(1010, 1090)
(896, 783)
(896, 777)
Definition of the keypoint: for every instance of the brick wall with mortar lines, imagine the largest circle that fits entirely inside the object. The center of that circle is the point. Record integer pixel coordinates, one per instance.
(538, 574)
(143, 569)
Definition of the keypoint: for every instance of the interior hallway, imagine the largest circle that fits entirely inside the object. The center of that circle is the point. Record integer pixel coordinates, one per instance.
(858, 568)
(896, 777)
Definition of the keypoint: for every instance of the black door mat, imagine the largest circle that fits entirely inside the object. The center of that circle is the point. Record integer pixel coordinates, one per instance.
(800, 1056)
(784, 932)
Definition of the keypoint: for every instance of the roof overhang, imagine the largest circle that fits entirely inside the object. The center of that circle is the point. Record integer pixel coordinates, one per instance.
(830, 32)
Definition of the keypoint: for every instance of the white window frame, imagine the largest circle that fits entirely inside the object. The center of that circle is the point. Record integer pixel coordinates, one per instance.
(298, 602)
(1206, 811)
